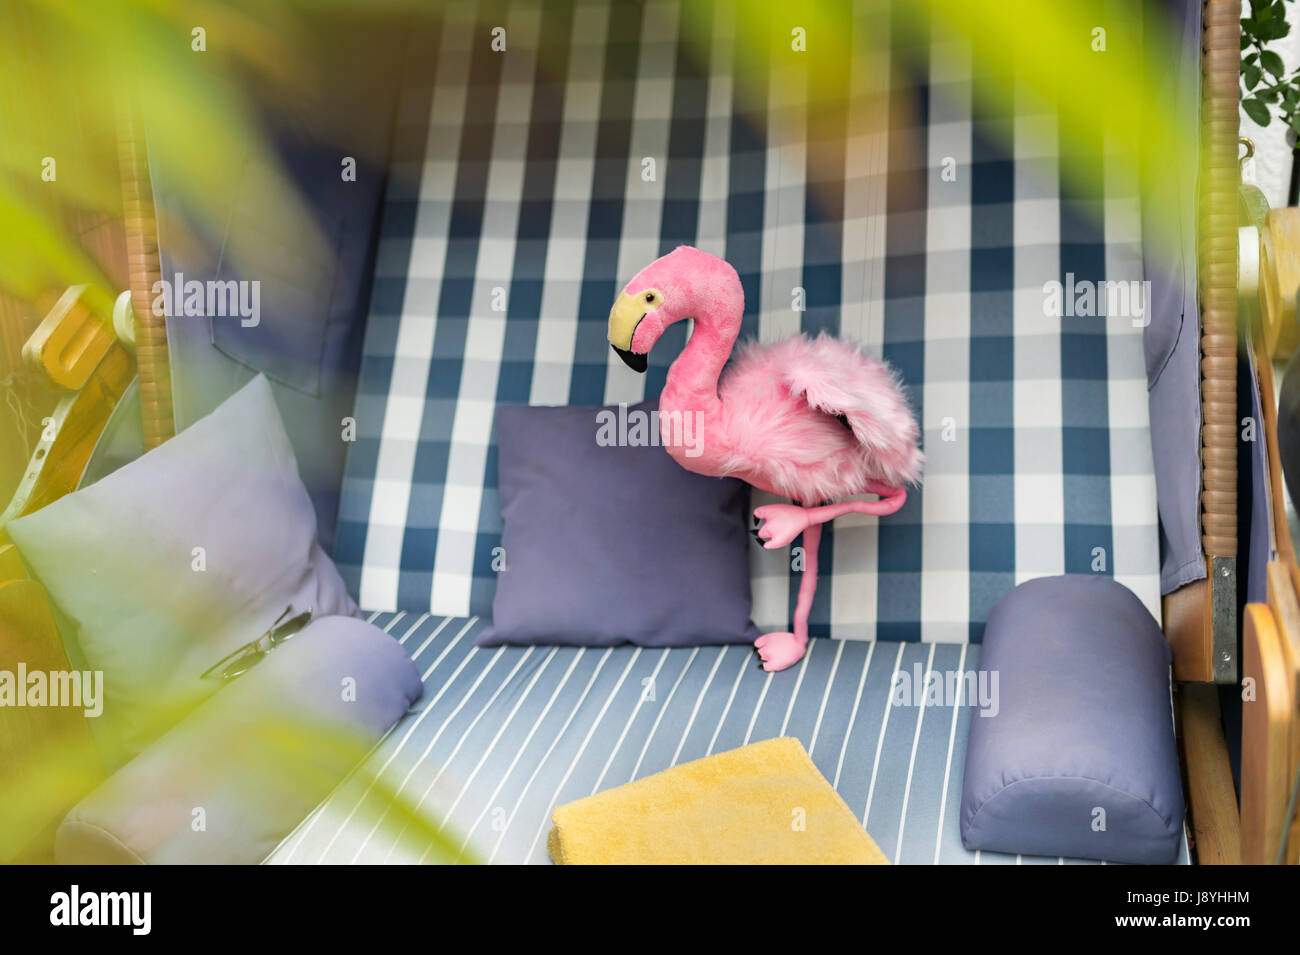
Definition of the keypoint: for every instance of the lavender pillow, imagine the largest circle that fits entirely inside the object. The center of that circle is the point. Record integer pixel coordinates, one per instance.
(174, 560)
(608, 543)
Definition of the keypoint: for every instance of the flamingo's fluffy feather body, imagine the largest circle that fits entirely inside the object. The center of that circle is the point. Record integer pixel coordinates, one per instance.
(781, 408)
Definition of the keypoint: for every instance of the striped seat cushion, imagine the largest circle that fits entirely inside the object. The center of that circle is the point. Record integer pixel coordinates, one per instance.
(867, 195)
(503, 735)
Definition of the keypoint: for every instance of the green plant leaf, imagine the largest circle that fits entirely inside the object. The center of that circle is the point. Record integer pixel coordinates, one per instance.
(1250, 75)
(1256, 111)
(1272, 62)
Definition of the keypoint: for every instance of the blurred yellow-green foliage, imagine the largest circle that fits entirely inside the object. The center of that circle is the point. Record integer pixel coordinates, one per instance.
(199, 72)
(306, 760)
(61, 59)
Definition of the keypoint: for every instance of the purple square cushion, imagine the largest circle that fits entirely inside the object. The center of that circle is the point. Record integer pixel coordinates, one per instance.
(610, 544)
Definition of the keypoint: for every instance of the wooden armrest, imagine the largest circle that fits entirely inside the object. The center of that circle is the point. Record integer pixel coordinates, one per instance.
(1279, 281)
(76, 350)
(1270, 731)
(70, 436)
(70, 341)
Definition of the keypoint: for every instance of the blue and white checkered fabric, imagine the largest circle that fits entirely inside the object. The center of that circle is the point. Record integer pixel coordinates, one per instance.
(882, 204)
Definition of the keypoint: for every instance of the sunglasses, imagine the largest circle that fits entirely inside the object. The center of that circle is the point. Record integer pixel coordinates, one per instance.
(246, 657)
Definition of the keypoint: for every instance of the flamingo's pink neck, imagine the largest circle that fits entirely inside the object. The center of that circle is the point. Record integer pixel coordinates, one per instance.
(692, 382)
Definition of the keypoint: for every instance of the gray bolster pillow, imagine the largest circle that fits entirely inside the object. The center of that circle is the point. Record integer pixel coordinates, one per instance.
(236, 775)
(1079, 758)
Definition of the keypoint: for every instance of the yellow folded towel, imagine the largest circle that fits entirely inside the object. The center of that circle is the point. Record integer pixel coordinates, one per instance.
(765, 803)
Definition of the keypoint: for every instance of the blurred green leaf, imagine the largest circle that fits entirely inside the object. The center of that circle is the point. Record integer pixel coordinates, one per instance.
(1256, 111)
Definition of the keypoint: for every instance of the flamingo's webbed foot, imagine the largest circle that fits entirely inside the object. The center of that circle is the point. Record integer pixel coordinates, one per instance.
(782, 523)
(780, 650)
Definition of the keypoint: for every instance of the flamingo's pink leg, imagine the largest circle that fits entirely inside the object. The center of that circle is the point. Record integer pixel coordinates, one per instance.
(782, 523)
(781, 650)
(891, 499)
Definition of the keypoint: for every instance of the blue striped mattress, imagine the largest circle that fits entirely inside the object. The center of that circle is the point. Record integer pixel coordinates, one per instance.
(503, 735)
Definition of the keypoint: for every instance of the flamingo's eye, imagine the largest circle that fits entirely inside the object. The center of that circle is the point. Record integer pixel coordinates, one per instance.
(649, 296)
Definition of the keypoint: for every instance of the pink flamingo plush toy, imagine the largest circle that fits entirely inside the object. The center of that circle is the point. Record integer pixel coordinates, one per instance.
(811, 419)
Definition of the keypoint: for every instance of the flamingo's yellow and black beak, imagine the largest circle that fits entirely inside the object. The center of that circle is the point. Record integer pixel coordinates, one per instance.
(624, 317)
(631, 359)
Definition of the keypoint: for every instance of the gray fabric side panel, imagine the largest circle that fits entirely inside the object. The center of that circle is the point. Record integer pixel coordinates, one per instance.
(1172, 337)
(307, 340)
(121, 441)
(1175, 405)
